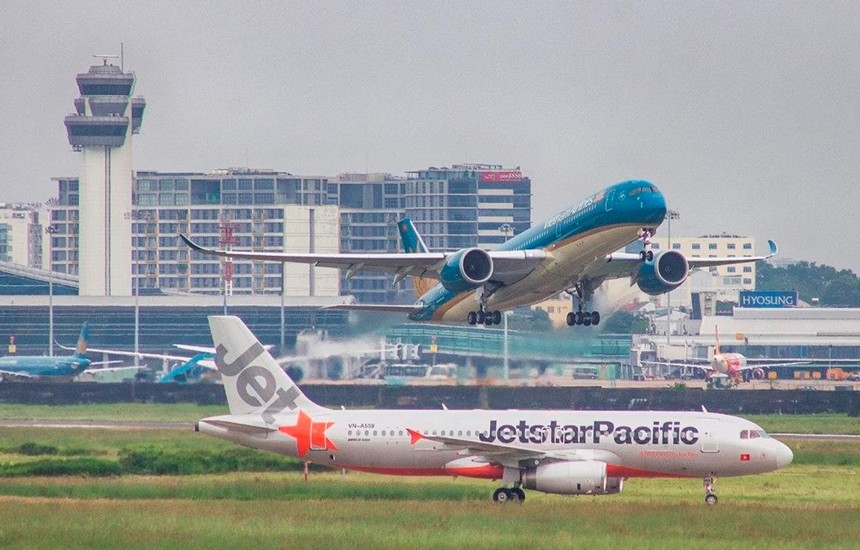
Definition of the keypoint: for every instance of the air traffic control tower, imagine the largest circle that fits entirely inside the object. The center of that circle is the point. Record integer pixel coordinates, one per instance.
(101, 130)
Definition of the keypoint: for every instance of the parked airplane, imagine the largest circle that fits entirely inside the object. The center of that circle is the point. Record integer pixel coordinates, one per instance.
(184, 369)
(28, 367)
(572, 251)
(730, 365)
(565, 452)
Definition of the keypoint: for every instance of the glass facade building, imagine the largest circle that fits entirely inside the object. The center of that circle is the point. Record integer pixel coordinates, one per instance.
(264, 210)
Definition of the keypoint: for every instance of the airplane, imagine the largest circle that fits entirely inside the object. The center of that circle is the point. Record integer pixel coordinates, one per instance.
(184, 369)
(563, 452)
(729, 365)
(574, 251)
(30, 367)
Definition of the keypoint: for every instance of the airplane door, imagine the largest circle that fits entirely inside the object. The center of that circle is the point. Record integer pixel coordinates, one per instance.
(710, 443)
(608, 201)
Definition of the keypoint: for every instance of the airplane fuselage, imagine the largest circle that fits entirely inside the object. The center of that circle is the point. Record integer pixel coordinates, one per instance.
(730, 364)
(35, 366)
(632, 444)
(573, 239)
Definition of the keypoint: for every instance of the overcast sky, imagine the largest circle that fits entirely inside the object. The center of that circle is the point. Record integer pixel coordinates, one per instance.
(745, 114)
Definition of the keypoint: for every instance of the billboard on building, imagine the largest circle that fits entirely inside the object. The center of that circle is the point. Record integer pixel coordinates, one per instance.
(768, 298)
(501, 175)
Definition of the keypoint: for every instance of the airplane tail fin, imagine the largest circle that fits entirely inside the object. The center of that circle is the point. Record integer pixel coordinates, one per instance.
(413, 243)
(253, 380)
(81, 348)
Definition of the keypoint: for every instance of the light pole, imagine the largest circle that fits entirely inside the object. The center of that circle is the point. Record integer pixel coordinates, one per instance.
(507, 229)
(137, 216)
(670, 215)
(50, 230)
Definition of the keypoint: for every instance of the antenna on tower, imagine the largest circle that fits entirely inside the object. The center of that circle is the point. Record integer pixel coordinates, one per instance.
(105, 57)
(122, 56)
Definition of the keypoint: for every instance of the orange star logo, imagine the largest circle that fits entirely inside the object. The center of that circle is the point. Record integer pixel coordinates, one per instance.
(309, 435)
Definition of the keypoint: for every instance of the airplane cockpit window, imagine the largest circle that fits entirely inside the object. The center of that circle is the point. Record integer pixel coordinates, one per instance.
(753, 434)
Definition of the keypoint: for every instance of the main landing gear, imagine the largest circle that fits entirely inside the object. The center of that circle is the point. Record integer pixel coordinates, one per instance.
(710, 496)
(514, 494)
(483, 317)
(583, 293)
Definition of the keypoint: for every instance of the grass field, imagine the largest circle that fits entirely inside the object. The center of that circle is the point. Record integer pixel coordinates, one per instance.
(811, 504)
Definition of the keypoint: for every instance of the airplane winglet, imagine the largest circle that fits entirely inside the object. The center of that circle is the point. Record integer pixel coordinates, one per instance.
(191, 244)
(773, 248)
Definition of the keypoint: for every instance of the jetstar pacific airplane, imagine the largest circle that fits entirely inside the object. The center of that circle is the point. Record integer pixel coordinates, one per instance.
(573, 251)
(565, 452)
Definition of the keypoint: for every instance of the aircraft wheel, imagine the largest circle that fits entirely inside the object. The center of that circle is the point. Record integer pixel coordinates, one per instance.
(519, 494)
(497, 317)
(481, 316)
(710, 499)
(649, 255)
(502, 495)
(642, 256)
(488, 320)
(570, 319)
(595, 318)
(586, 319)
(472, 317)
(577, 318)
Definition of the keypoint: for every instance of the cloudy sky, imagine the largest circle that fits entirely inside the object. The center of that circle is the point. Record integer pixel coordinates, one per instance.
(745, 114)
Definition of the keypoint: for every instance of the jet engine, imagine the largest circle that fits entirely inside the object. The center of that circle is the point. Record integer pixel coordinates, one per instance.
(572, 478)
(758, 373)
(667, 271)
(466, 269)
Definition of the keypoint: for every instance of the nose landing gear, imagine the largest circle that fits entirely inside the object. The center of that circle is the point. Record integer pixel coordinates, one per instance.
(710, 496)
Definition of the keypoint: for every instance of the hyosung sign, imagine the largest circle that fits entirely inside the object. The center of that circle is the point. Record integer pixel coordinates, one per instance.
(769, 298)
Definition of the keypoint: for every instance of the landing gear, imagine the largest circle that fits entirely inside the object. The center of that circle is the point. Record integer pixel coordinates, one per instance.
(583, 293)
(484, 316)
(710, 497)
(585, 318)
(503, 495)
(647, 254)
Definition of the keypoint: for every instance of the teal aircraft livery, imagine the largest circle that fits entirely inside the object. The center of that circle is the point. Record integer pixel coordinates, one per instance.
(573, 251)
(36, 366)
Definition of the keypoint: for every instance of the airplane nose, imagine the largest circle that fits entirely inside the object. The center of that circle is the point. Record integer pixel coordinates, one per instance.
(784, 456)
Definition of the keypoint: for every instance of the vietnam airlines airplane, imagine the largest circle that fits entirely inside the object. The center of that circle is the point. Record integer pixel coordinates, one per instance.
(565, 452)
(573, 251)
(28, 367)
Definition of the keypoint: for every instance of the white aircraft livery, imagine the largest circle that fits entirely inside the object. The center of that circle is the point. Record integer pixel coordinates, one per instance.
(565, 452)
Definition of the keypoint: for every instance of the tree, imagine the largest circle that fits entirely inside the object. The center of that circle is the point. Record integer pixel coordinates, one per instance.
(832, 288)
(624, 322)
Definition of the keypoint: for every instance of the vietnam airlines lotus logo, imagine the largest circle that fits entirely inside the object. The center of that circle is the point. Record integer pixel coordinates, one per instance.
(309, 435)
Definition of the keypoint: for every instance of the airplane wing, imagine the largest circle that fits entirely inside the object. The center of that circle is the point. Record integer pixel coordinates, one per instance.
(122, 353)
(509, 266)
(510, 455)
(622, 264)
(701, 366)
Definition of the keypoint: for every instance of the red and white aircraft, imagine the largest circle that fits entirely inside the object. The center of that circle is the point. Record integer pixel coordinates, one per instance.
(727, 364)
(565, 452)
